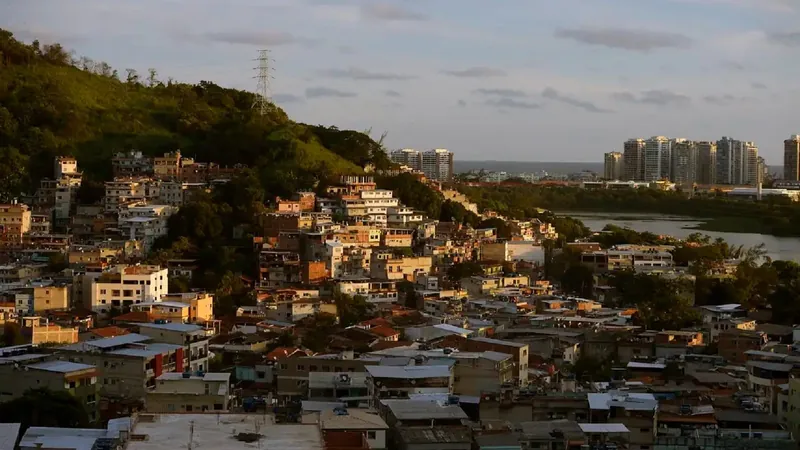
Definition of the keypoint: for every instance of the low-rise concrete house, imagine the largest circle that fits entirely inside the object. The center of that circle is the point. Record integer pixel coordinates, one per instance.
(21, 370)
(128, 365)
(193, 338)
(371, 426)
(190, 392)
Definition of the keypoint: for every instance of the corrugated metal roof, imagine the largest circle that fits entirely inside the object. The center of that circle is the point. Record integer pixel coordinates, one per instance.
(182, 327)
(499, 342)
(118, 340)
(435, 435)
(603, 428)
(8, 435)
(409, 372)
(60, 366)
(776, 367)
(423, 410)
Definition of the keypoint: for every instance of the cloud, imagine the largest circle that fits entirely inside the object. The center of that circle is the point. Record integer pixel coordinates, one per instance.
(757, 85)
(733, 66)
(552, 94)
(511, 103)
(723, 100)
(259, 38)
(287, 98)
(625, 39)
(660, 97)
(476, 72)
(354, 73)
(346, 50)
(768, 5)
(788, 38)
(392, 93)
(462, 103)
(501, 92)
(387, 12)
(320, 92)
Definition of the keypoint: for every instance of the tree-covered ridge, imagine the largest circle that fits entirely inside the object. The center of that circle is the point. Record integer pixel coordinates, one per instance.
(52, 104)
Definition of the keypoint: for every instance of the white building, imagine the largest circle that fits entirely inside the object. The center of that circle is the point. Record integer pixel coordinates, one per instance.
(124, 191)
(65, 166)
(407, 157)
(177, 193)
(633, 159)
(403, 216)
(737, 162)
(437, 164)
(657, 157)
(144, 223)
(125, 285)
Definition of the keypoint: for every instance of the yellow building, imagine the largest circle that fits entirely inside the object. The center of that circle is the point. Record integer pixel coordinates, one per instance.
(39, 331)
(51, 297)
(15, 221)
(167, 166)
(201, 304)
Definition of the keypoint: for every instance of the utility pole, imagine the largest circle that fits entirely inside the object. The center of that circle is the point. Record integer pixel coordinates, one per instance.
(263, 102)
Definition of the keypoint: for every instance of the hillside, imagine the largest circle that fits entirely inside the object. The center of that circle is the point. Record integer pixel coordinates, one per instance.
(53, 105)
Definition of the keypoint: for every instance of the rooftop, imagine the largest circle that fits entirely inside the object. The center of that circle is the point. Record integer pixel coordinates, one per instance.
(423, 410)
(409, 372)
(8, 435)
(353, 419)
(224, 431)
(60, 366)
(499, 342)
(434, 435)
(180, 327)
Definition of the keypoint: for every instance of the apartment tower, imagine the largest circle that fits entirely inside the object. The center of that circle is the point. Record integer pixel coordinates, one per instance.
(613, 166)
(684, 163)
(706, 162)
(633, 159)
(657, 158)
(737, 162)
(791, 158)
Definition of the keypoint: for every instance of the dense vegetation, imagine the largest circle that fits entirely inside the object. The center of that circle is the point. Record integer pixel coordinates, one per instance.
(45, 408)
(52, 104)
(775, 216)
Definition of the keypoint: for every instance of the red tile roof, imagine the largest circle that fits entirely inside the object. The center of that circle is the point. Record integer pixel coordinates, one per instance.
(111, 331)
(282, 352)
(384, 331)
(133, 316)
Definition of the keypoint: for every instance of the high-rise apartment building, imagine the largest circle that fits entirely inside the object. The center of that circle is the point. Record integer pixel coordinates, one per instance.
(657, 158)
(633, 159)
(737, 162)
(613, 166)
(791, 158)
(706, 162)
(436, 164)
(684, 162)
(407, 157)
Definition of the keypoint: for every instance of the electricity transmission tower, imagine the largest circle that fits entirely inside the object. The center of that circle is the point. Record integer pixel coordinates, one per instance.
(263, 102)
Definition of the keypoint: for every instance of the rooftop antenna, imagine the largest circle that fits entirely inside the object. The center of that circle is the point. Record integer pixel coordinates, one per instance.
(263, 102)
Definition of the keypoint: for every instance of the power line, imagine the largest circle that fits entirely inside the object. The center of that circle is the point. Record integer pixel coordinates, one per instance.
(263, 102)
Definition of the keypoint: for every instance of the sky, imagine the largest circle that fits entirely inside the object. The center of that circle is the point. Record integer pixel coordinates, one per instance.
(513, 80)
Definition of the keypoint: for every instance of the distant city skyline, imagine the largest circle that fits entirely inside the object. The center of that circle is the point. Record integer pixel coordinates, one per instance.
(533, 80)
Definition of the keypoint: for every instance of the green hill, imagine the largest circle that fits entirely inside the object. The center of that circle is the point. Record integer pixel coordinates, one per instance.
(49, 106)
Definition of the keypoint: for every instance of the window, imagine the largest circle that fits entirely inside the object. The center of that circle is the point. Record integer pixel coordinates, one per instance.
(312, 368)
(372, 435)
(301, 367)
(261, 374)
(115, 292)
(283, 366)
(127, 293)
(102, 292)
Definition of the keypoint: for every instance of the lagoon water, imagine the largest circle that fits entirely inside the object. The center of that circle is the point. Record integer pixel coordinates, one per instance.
(785, 248)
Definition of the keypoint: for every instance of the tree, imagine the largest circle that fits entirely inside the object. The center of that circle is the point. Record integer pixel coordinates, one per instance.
(152, 77)
(465, 269)
(456, 212)
(12, 334)
(505, 230)
(45, 408)
(318, 334)
(91, 192)
(133, 76)
(352, 310)
(578, 279)
(178, 285)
